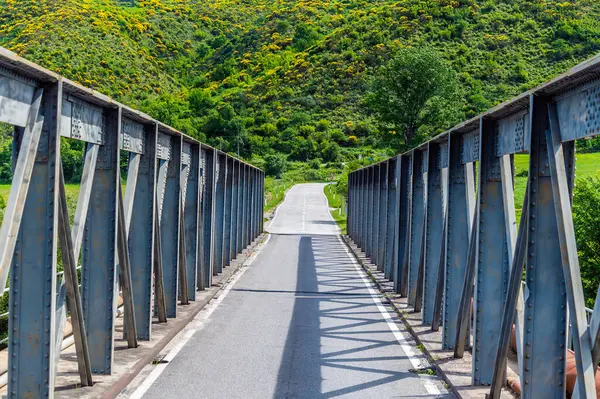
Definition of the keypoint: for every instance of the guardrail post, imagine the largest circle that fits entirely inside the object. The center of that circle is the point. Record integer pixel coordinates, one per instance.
(31, 332)
(464, 150)
(436, 197)
(98, 275)
(417, 222)
(141, 243)
(382, 218)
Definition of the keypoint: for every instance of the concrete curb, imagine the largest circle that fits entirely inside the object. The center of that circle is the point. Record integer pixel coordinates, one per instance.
(115, 389)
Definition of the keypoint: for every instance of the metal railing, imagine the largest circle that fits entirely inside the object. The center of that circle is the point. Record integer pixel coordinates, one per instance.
(445, 236)
(187, 211)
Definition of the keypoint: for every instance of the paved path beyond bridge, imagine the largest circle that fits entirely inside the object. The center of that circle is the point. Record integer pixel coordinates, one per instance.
(302, 321)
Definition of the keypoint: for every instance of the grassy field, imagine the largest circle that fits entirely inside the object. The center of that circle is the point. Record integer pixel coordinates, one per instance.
(586, 166)
(336, 202)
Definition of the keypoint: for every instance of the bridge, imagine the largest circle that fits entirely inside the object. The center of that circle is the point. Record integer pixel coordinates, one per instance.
(164, 282)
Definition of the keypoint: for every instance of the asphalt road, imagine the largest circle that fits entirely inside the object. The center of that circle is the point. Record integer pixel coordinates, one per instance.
(301, 322)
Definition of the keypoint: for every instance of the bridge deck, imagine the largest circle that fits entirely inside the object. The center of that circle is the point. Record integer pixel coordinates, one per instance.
(301, 321)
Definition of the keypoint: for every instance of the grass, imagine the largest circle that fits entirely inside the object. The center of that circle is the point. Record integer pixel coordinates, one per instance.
(275, 190)
(336, 201)
(587, 165)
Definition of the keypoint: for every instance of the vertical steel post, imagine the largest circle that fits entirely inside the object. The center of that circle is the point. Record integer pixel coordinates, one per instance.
(546, 301)
(141, 242)
(417, 225)
(31, 323)
(219, 213)
(208, 225)
(169, 227)
(460, 195)
(235, 208)
(435, 215)
(492, 263)
(98, 276)
(403, 236)
(391, 219)
(383, 211)
(191, 210)
(375, 225)
(228, 211)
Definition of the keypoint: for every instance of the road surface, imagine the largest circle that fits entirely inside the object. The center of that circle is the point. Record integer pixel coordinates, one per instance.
(301, 322)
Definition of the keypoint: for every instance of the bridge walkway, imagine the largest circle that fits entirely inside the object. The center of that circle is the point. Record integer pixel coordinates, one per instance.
(302, 321)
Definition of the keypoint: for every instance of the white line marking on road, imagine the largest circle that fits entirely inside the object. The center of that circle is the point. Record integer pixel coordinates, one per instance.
(304, 215)
(417, 361)
(195, 325)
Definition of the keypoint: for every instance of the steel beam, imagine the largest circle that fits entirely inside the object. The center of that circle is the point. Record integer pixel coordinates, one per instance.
(560, 160)
(208, 217)
(383, 218)
(31, 333)
(492, 257)
(221, 175)
(403, 236)
(170, 225)
(191, 211)
(461, 195)
(417, 220)
(98, 275)
(438, 162)
(545, 294)
(392, 220)
(228, 212)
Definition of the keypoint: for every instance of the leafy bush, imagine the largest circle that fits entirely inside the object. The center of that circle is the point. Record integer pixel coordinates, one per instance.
(586, 202)
(275, 164)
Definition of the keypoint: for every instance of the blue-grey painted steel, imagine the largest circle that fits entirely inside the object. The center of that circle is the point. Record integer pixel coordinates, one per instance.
(169, 227)
(31, 322)
(156, 199)
(390, 247)
(99, 250)
(375, 227)
(235, 220)
(403, 236)
(208, 216)
(434, 225)
(383, 211)
(191, 219)
(219, 213)
(228, 212)
(246, 213)
(141, 240)
(492, 267)
(417, 219)
(240, 210)
(364, 229)
(457, 239)
(546, 302)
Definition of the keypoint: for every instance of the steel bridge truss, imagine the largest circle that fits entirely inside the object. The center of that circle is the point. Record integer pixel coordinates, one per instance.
(187, 211)
(439, 221)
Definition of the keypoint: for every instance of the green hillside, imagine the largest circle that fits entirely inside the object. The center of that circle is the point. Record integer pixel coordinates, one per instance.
(291, 76)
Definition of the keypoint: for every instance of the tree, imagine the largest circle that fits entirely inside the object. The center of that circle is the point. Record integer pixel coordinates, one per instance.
(415, 93)
(275, 164)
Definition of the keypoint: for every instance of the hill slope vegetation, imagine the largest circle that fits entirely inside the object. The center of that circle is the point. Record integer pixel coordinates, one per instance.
(291, 76)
